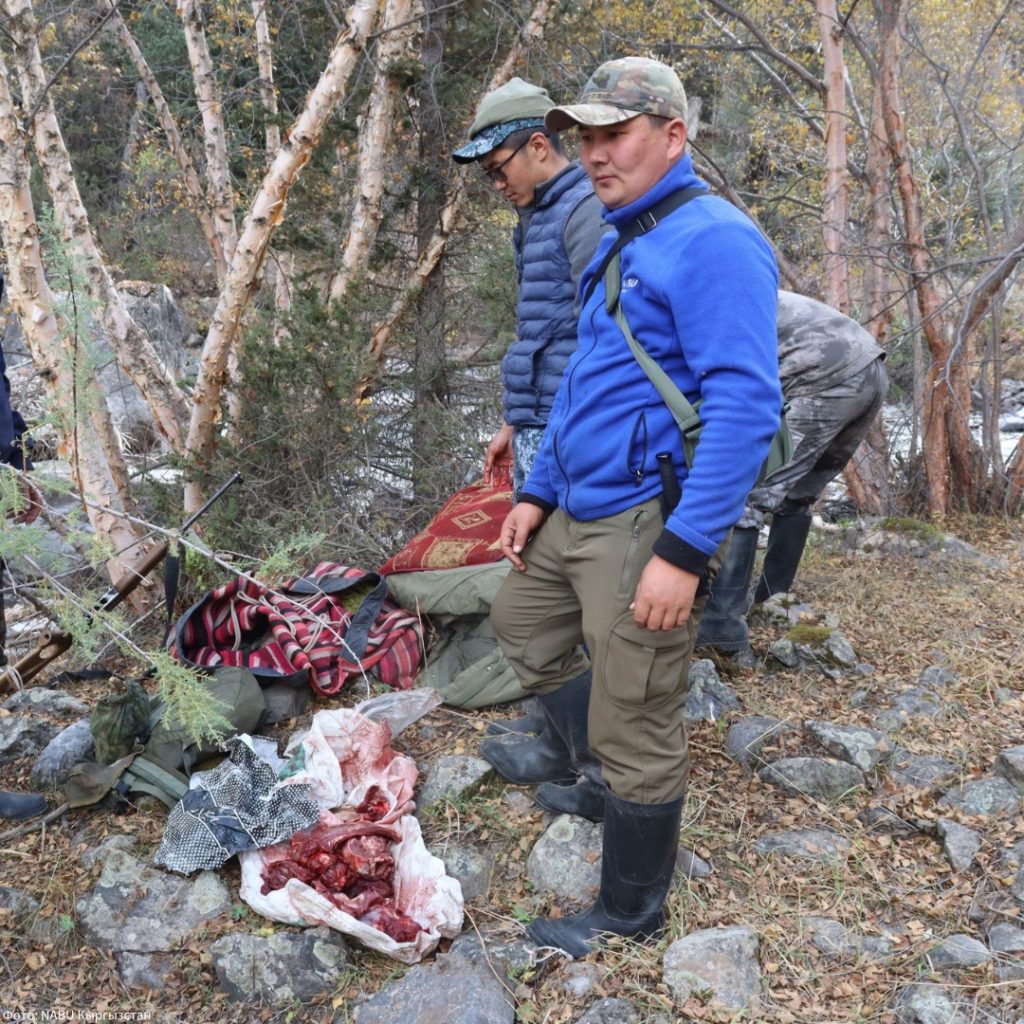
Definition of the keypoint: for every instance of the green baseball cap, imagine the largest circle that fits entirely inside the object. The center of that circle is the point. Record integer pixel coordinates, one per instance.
(621, 89)
(516, 105)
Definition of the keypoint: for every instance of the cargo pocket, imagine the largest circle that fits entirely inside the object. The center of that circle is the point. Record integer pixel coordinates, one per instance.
(644, 668)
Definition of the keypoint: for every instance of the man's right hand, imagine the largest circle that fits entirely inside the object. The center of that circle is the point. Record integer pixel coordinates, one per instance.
(498, 451)
(520, 525)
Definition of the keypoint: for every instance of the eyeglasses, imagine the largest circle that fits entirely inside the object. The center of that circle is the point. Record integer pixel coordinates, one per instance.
(497, 174)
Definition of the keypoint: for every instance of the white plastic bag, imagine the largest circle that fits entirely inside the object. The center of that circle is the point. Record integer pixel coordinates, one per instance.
(344, 754)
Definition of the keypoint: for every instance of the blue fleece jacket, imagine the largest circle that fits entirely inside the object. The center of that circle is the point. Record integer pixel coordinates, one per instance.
(699, 292)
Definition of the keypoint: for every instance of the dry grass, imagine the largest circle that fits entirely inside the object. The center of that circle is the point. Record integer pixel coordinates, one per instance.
(900, 614)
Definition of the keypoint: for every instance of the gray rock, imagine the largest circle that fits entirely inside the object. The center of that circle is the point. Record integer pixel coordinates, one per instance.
(578, 980)
(62, 753)
(1006, 938)
(913, 703)
(708, 698)
(815, 777)
(1013, 856)
(885, 822)
(717, 962)
(832, 654)
(838, 651)
(747, 738)
(805, 844)
(936, 676)
(960, 551)
(1017, 886)
(785, 653)
(43, 701)
(1010, 765)
(566, 860)
(783, 610)
(985, 796)
(471, 866)
(957, 951)
(99, 853)
(518, 802)
(455, 990)
(1013, 971)
(960, 843)
(611, 1011)
(281, 967)
(23, 915)
(689, 865)
(921, 771)
(861, 747)
(21, 736)
(144, 970)
(835, 939)
(453, 776)
(137, 908)
(489, 946)
(926, 1004)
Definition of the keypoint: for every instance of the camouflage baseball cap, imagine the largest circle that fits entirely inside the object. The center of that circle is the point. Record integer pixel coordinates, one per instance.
(517, 104)
(621, 89)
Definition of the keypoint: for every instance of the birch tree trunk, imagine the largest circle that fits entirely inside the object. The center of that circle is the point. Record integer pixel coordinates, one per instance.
(374, 129)
(189, 174)
(836, 198)
(430, 254)
(265, 63)
(87, 434)
(218, 175)
(265, 214)
(132, 348)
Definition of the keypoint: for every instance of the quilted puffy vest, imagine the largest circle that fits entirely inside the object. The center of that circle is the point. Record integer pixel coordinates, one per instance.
(546, 320)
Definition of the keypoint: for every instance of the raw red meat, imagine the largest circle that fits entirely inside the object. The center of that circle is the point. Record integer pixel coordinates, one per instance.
(369, 857)
(375, 804)
(278, 873)
(387, 918)
(351, 865)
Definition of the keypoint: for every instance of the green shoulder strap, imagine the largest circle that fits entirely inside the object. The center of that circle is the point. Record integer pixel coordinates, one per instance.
(687, 416)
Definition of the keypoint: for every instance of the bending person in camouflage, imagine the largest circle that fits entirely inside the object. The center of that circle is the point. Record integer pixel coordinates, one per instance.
(834, 381)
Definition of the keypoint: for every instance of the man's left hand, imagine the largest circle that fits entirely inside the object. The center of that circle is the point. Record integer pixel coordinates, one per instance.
(664, 595)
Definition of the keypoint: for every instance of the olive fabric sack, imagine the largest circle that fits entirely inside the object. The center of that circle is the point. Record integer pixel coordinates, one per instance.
(139, 750)
(240, 700)
(465, 664)
(120, 722)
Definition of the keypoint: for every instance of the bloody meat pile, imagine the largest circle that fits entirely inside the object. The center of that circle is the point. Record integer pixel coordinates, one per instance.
(350, 864)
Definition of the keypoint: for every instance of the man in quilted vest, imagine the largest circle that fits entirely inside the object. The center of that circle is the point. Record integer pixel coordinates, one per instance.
(558, 230)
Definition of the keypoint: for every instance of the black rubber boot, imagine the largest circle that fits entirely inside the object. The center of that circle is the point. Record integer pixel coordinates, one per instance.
(723, 624)
(532, 722)
(18, 806)
(561, 744)
(787, 537)
(637, 862)
(585, 798)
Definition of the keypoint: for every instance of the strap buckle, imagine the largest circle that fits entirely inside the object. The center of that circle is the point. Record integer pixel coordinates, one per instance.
(646, 221)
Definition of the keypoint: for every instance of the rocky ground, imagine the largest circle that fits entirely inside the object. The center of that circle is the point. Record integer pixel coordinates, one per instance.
(853, 847)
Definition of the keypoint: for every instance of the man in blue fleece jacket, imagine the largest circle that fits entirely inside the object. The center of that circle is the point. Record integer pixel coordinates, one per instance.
(596, 563)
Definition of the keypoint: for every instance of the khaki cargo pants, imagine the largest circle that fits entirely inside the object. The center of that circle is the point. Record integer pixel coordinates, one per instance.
(579, 582)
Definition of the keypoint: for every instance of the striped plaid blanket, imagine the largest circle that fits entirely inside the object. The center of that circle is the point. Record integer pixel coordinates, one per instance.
(317, 630)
